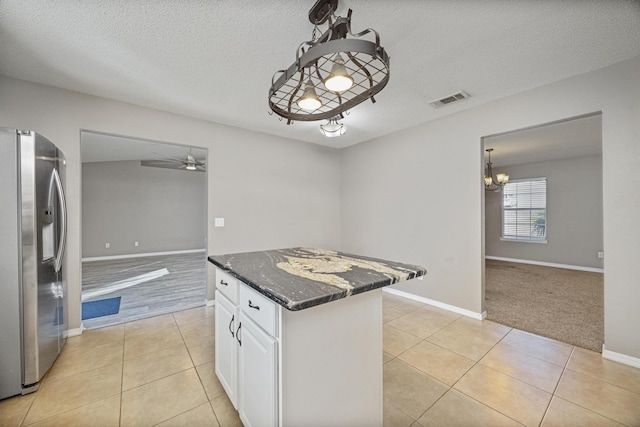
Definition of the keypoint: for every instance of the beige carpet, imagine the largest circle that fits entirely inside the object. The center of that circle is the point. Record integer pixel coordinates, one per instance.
(566, 305)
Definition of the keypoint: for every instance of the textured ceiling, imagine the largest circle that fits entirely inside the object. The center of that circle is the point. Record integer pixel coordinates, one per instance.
(214, 59)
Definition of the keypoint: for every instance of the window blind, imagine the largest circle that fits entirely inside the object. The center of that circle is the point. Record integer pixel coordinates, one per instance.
(524, 210)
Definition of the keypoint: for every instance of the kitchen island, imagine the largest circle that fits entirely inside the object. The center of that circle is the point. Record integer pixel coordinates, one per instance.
(299, 335)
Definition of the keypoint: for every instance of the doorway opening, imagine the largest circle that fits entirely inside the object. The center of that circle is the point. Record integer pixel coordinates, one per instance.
(144, 228)
(543, 231)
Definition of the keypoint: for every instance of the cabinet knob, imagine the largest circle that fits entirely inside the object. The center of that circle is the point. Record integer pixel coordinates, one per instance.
(222, 282)
(257, 307)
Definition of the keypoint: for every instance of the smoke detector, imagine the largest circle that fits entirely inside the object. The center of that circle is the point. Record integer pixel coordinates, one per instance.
(458, 96)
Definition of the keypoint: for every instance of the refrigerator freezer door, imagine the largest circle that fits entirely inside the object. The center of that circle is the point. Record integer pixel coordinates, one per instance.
(41, 286)
(10, 347)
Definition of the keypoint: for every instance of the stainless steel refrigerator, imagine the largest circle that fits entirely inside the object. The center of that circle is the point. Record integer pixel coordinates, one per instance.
(33, 315)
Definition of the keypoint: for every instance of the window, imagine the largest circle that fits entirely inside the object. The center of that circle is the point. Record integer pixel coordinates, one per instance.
(524, 210)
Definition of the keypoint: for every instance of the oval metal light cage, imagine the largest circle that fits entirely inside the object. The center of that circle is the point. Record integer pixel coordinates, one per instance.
(366, 62)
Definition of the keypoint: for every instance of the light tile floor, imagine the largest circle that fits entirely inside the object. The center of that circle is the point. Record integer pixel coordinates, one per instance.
(440, 369)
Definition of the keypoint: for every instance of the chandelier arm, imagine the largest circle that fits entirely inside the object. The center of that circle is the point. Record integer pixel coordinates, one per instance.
(301, 49)
(295, 92)
(363, 32)
(369, 77)
(273, 79)
(318, 71)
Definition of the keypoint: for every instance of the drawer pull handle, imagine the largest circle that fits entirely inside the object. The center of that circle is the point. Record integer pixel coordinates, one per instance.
(238, 334)
(230, 327)
(222, 282)
(257, 307)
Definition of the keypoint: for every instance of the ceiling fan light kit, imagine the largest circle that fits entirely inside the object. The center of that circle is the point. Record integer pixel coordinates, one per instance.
(331, 73)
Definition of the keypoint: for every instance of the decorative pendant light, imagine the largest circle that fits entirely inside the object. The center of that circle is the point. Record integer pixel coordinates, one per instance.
(309, 100)
(333, 128)
(491, 184)
(331, 73)
(339, 80)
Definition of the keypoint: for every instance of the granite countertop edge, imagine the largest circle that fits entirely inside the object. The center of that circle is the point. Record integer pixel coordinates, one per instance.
(316, 300)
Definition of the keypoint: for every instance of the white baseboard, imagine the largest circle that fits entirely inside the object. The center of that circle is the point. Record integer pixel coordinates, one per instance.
(110, 257)
(209, 302)
(74, 332)
(452, 308)
(547, 264)
(620, 358)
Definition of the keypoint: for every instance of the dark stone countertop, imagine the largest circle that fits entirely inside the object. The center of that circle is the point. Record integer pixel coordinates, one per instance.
(299, 278)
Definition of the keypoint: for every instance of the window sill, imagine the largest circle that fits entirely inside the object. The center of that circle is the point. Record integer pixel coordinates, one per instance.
(504, 239)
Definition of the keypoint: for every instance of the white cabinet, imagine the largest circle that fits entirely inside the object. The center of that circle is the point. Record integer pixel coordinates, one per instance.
(317, 366)
(246, 350)
(226, 349)
(256, 375)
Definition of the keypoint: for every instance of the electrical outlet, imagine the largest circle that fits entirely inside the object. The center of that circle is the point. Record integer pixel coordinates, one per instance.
(107, 245)
(136, 243)
(219, 222)
(600, 254)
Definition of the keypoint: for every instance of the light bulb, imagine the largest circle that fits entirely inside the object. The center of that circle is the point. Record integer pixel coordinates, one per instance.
(309, 100)
(502, 178)
(338, 80)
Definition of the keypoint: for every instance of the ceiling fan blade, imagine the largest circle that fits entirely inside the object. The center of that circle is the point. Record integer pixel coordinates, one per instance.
(187, 163)
(160, 164)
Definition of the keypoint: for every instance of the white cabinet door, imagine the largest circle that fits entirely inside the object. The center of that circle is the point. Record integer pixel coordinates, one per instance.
(256, 375)
(226, 350)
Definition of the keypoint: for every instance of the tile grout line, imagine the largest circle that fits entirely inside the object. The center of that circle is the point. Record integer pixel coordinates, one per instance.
(553, 394)
(198, 374)
(478, 362)
(566, 368)
(456, 382)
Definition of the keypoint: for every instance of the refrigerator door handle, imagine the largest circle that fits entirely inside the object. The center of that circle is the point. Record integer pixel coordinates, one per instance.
(57, 263)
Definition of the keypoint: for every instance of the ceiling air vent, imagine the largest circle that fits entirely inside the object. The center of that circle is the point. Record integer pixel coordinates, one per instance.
(458, 96)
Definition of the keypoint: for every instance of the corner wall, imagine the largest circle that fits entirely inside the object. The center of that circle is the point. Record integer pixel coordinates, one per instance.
(417, 195)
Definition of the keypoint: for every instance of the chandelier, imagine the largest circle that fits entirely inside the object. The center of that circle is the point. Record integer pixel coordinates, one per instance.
(494, 184)
(331, 73)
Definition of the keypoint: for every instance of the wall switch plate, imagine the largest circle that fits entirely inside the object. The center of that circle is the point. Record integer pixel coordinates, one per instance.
(136, 243)
(107, 245)
(219, 222)
(600, 254)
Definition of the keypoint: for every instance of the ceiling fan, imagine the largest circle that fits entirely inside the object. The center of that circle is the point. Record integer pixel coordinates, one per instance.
(189, 163)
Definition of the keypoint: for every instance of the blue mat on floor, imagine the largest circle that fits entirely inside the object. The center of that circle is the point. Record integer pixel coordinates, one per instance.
(99, 308)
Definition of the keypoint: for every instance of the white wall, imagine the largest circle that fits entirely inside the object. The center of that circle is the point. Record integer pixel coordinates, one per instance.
(401, 198)
(417, 195)
(574, 214)
(124, 202)
(272, 192)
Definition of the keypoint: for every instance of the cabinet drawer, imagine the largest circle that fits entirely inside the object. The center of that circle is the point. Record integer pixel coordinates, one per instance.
(227, 285)
(259, 309)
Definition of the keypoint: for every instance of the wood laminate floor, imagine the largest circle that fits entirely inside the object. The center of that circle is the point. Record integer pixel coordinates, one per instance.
(148, 286)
